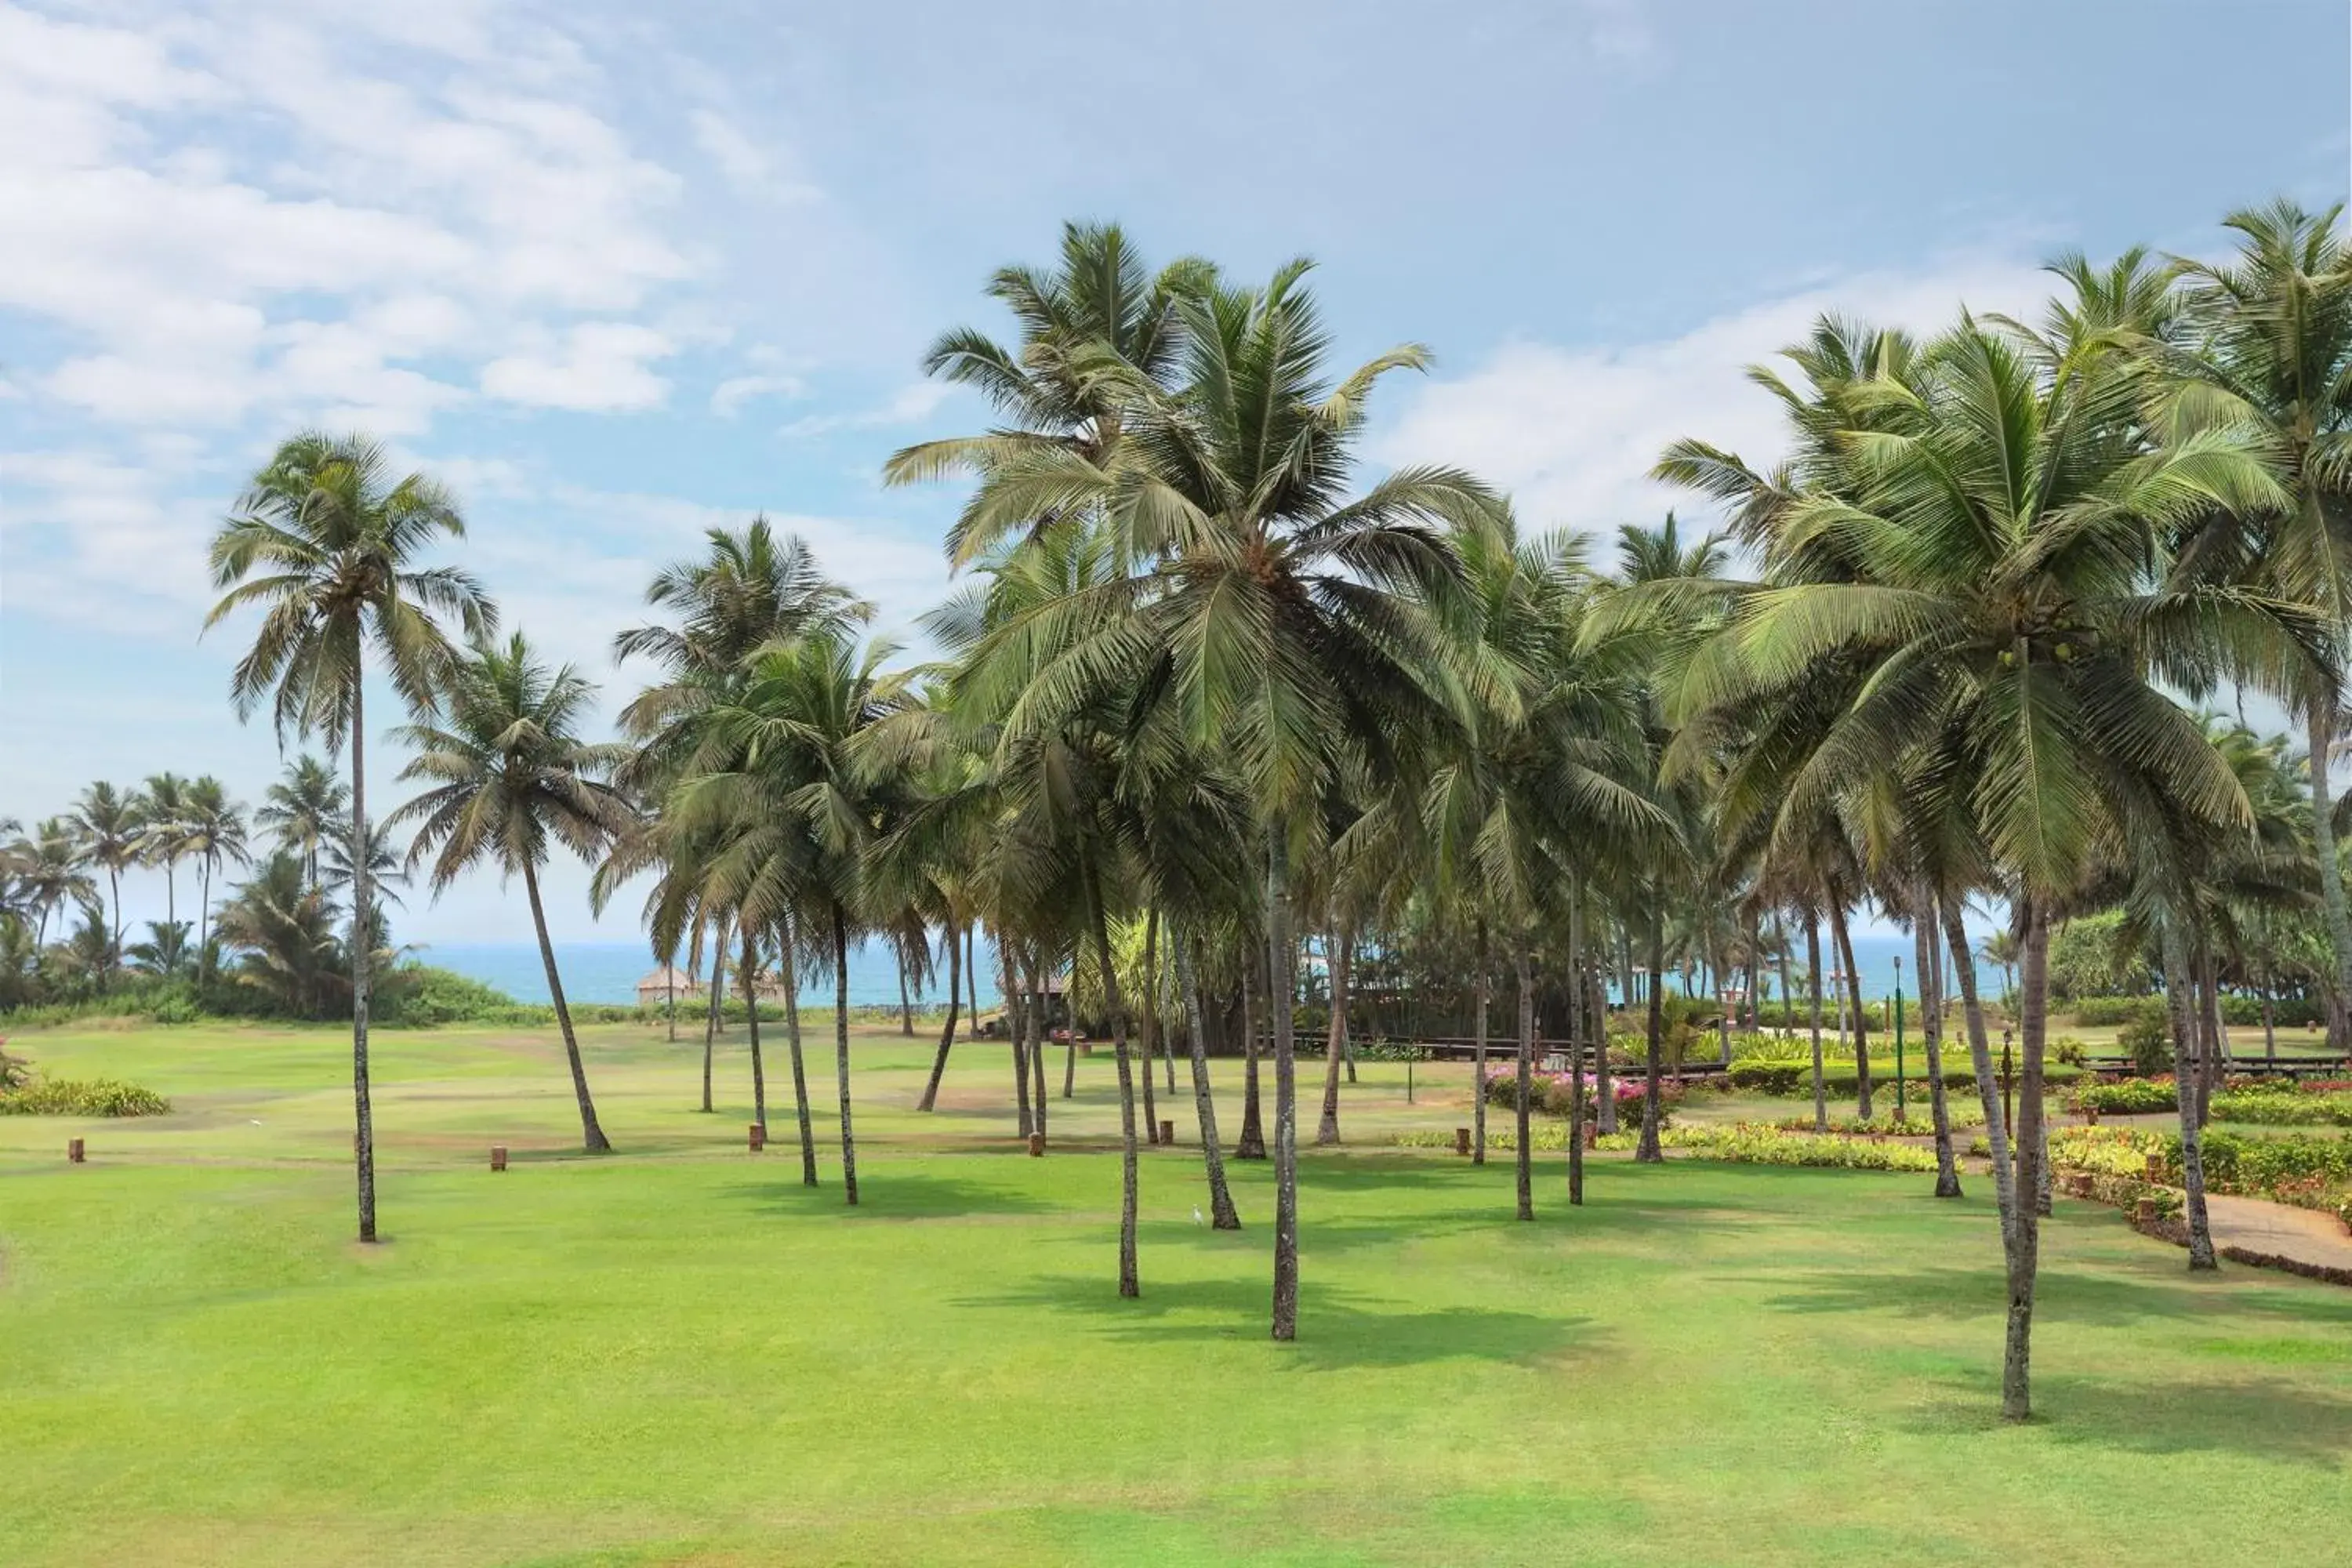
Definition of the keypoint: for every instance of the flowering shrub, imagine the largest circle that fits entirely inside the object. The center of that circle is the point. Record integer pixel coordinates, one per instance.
(2305, 1170)
(2280, 1105)
(1549, 1092)
(2127, 1096)
(91, 1097)
(1919, 1122)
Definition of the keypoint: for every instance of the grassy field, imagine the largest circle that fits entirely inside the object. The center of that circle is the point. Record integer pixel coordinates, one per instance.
(679, 1355)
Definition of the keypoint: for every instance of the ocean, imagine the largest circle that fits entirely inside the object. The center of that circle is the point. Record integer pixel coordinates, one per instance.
(609, 972)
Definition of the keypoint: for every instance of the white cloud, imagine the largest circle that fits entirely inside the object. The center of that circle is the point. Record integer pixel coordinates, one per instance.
(1572, 433)
(749, 166)
(598, 365)
(913, 403)
(727, 399)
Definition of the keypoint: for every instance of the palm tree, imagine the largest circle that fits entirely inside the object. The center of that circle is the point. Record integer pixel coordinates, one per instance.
(164, 953)
(325, 542)
(283, 929)
(1293, 624)
(163, 833)
(2268, 354)
(510, 775)
(107, 822)
(2003, 611)
(300, 811)
(216, 837)
(49, 868)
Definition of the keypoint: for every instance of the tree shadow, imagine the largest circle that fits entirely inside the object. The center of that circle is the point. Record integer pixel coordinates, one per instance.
(897, 1193)
(1337, 1331)
(2060, 1294)
(2261, 1419)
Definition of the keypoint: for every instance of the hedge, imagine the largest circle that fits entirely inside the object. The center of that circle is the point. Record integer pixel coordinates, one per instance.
(82, 1096)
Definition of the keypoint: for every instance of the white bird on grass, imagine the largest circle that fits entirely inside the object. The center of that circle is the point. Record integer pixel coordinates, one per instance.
(1196, 1216)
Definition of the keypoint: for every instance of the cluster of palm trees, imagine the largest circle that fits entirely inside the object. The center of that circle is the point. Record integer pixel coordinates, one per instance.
(1211, 697)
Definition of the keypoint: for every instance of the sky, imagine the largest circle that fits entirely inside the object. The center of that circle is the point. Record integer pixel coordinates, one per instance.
(619, 274)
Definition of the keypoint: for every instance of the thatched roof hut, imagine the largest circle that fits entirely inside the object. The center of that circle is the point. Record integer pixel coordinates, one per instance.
(665, 983)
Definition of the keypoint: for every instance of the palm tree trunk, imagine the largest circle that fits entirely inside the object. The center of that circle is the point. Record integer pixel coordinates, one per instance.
(2270, 1026)
(841, 1050)
(1605, 1092)
(1478, 1055)
(1842, 930)
(1646, 1150)
(2217, 1033)
(1251, 1143)
(1221, 1215)
(2024, 1259)
(1526, 1073)
(2177, 990)
(1964, 971)
(591, 1136)
(1342, 947)
(1070, 1047)
(1279, 989)
(1931, 1030)
(748, 973)
(1037, 1019)
(669, 988)
(718, 994)
(1149, 1016)
(788, 967)
(1580, 1019)
(1016, 1029)
(203, 924)
(362, 949)
(947, 1036)
(1348, 1039)
(1130, 1283)
(2321, 720)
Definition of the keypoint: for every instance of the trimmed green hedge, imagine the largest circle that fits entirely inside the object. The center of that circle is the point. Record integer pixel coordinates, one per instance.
(1839, 1077)
(82, 1096)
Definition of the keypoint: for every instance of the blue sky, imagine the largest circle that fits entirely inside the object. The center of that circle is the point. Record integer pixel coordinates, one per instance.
(619, 275)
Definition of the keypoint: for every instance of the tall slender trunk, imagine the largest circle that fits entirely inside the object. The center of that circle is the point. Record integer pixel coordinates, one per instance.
(972, 971)
(788, 965)
(1221, 1215)
(2177, 996)
(1923, 921)
(2025, 1245)
(2217, 1033)
(2321, 718)
(1813, 958)
(1348, 1040)
(947, 1036)
(1478, 1055)
(1070, 1047)
(1843, 930)
(1129, 1284)
(717, 997)
(670, 987)
(1604, 1092)
(1646, 1150)
(841, 1050)
(363, 954)
(1342, 947)
(1788, 996)
(591, 1136)
(906, 1004)
(1150, 1026)
(1580, 1019)
(1016, 1028)
(2270, 1026)
(1964, 971)
(747, 971)
(204, 922)
(1279, 957)
(1526, 1074)
(1251, 1146)
(1039, 1013)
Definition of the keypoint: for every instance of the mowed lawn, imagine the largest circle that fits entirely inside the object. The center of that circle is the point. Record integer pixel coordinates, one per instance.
(679, 1355)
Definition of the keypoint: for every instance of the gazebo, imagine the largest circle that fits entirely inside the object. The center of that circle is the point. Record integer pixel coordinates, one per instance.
(658, 988)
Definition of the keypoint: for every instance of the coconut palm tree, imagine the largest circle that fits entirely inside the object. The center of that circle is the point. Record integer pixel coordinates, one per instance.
(510, 778)
(2006, 608)
(49, 868)
(1294, 624)
(283, 930)
(109, 826)
(325, 543)
(216, 837)
(163, 833)
(301, 810)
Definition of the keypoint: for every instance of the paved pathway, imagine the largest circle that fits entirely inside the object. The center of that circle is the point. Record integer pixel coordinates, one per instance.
(2278, 1230)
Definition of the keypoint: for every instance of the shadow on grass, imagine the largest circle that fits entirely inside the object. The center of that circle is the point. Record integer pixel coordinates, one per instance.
(896, 1194)
(1337, 1331)
(2259, 1418)
(2060, 1294)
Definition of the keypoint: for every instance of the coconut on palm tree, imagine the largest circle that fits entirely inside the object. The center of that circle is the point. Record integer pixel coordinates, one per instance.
(509, 779)
(325, 544)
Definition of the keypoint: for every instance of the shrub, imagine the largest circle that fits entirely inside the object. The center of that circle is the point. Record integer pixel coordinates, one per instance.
(1386, 1050)
(15, 1071)
(2127, 1096)
(1920, 1120)
(2278, 1106)
(82, 1096)
(2105, 1011)
(2147, 1040)
(1751, 1144)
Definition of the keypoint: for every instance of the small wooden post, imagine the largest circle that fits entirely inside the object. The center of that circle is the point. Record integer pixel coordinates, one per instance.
(1592, 1134)
(74, 1152)
(2090, 1116)
(1167, 1134)
(2144, 1212)
(757, 1137)
(2156, 1167)
(497, 1156)
(1462, 1140)
(1038, 1144)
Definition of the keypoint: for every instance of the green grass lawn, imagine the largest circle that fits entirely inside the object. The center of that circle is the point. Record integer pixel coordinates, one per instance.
(679, 1355)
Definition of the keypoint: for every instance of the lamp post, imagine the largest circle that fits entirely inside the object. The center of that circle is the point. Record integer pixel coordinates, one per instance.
(2008, 1086)
(1898, 1038)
